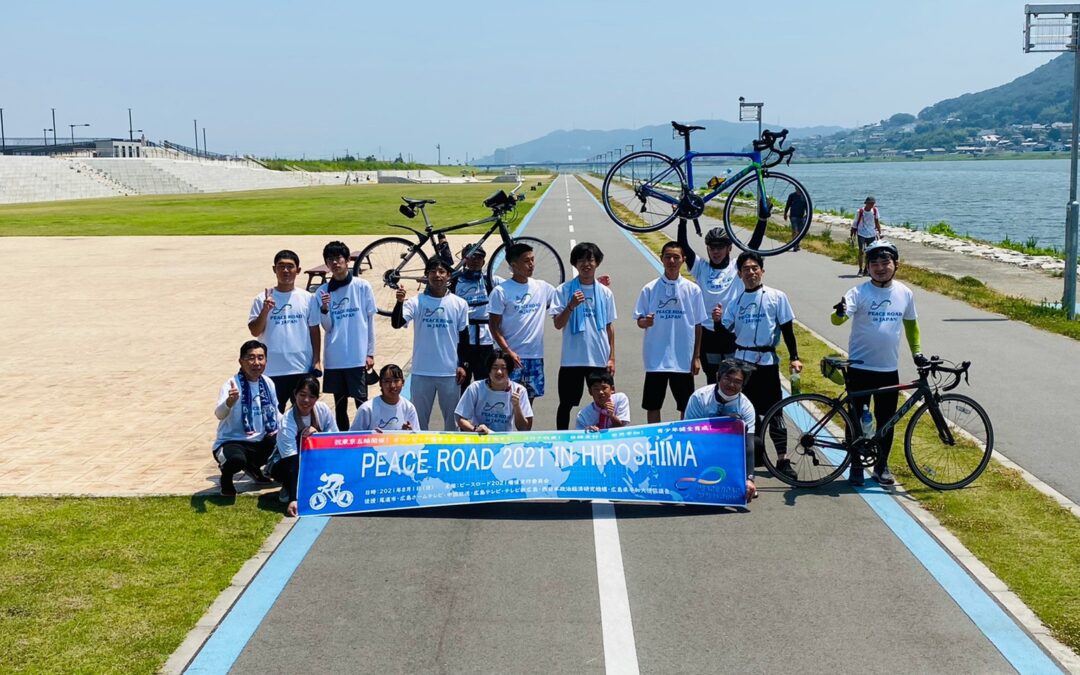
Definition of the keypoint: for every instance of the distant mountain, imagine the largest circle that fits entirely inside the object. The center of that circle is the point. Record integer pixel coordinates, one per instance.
(1040, 97)
(581, 144)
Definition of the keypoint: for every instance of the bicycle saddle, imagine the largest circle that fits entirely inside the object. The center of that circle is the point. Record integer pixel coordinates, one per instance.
(417, 202)
(684, 129)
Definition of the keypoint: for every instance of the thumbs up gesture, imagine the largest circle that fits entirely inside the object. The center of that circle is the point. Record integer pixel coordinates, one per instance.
(234, 394)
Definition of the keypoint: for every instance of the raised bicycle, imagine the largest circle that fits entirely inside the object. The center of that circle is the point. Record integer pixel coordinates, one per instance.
(647, 190)
(948, 441)
(390, 262)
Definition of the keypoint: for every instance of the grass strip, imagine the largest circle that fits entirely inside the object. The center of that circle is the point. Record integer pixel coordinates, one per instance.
(114, 585)
(1023, 536)
(332, 210)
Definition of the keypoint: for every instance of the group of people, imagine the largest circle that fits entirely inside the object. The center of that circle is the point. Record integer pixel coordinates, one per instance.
(478, 351)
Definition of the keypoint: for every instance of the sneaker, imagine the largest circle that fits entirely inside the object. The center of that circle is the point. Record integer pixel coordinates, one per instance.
(258, 476)
(784, 466)
(227, 488)
(883, 477)
(855, 474)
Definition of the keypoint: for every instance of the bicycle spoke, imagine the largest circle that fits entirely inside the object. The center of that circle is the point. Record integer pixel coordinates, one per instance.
(951, 456)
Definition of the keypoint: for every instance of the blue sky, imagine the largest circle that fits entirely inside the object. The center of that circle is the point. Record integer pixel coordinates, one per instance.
(289, 79)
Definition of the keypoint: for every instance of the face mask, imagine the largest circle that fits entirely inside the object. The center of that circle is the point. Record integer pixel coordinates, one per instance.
(724, 398)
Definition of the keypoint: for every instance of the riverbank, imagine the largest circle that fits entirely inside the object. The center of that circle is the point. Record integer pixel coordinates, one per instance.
(944, 157)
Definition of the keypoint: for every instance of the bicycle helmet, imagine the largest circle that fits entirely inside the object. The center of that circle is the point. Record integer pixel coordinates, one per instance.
(717, 236)
(881, 248)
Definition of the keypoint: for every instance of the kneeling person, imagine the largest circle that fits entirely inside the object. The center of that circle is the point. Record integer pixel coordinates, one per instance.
(246, 432)
(307, 416)
(609, 409)
(389, 411)
(495, 403)
(725, 399)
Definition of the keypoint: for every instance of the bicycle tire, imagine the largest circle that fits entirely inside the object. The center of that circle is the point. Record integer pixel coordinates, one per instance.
(777, 186)
(376, 264)
(806, 420)
(549, 266)
(654, 168)
(971, 453)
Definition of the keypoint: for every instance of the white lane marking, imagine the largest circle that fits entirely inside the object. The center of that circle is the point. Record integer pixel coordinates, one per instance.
(620, 652)
(569, 217)
(568, 209)
(571, 228)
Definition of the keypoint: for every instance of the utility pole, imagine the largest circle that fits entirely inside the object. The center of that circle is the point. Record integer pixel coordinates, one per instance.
(439, 148)
(131, 129)
(53, 126)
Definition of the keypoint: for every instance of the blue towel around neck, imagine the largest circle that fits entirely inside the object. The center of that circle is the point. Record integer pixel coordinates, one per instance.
(577, 315)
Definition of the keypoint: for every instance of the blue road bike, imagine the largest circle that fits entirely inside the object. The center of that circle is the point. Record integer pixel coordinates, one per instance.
(645, 191)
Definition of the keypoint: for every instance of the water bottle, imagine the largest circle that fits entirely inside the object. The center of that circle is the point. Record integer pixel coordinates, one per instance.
(867, 421)
(796, 384)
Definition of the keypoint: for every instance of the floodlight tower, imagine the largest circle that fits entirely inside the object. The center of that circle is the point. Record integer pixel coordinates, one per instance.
(1054, 28)
(750, 112)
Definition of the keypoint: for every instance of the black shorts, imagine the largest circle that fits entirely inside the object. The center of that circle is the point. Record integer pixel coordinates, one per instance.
(476, 356)
(864, 242)
(284, 386)
(572, 380)
(656, 385)
(346, 382)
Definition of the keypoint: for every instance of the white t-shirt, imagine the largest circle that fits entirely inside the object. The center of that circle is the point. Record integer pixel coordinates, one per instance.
(287, 335)
(480, 405)
(718, 286)
(703, 404)
(876, 324)
(436, 325)
(375, 413)
(349, 325)
(590, 415)
(523, 308)
(755, 318)
(475, 293)
(590, 347)
(866, 222)
(232, 427)
(678, 306)
(286, 440)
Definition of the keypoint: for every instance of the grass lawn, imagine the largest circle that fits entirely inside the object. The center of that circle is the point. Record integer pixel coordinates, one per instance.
(114, 585)
(333, 210)
(1025, 538)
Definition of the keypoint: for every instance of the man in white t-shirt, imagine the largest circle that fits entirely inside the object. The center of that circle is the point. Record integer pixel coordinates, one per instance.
(438, 318)
(584, 311)
(286, 319)
(472, 285)
(725, 399)
(719, 283)
(347, 308)
(759, 316)
(517, 309)
(879, 309)
(866, 228)
(670, 310)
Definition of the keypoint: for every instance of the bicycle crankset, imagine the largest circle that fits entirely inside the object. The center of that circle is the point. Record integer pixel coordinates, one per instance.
(691, 206)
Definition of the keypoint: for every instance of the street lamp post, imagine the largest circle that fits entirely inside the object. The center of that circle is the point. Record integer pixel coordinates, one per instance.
(44, 136)
(131, 131)
(72, 128)
(53, 130)
(646, 142)
(750, 112)
(1054, 28)
(3, 140)
(439, 148)
(196, 137)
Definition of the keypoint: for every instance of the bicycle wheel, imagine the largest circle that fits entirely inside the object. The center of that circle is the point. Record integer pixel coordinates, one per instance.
(952, 450)
(810, 430)
(755, 222)
(641, 191)
(390, 263)
(549, 266)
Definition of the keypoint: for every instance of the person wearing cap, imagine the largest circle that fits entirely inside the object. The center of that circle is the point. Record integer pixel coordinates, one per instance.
(472, 285)
(725, 399)
(438, 317)
(879, 309)
(866, 228)
(718, 280)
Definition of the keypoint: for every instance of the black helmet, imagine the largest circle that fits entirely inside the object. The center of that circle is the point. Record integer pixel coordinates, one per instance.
(882, 248)
(717, 236)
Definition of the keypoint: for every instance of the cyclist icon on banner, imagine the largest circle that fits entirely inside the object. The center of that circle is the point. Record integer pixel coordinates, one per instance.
(331, 491)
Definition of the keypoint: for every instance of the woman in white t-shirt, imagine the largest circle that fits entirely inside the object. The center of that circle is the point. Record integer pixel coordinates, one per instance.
(307, 416)
(389, 411)
(495, 403)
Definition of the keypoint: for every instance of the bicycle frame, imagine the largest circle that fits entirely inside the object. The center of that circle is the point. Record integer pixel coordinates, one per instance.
(922, 391)
(429, 233)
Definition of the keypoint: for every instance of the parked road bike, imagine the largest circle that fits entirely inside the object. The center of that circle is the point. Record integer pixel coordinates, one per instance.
(947, 443)
(395, 262)
(647, 190)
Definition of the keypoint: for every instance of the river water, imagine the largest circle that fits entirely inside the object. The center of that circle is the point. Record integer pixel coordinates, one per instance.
(988, 199)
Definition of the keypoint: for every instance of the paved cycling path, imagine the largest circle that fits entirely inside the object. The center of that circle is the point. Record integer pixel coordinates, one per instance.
(816, 578)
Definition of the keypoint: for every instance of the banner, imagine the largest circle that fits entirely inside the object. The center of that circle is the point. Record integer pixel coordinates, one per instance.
(691, 462)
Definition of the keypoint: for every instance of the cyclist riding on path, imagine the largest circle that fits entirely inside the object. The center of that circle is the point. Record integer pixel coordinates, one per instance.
(878, 308)
(719, 284)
